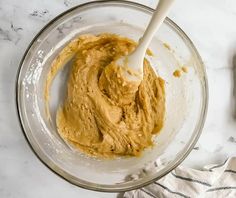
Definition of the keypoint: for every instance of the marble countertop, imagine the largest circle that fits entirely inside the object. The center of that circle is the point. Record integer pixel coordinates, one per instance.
(211, 26)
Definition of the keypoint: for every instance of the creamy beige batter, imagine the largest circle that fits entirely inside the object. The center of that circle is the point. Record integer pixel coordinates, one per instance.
(104, 114)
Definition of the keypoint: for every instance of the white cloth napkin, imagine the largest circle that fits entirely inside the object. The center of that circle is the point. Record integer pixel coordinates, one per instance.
(214, 181)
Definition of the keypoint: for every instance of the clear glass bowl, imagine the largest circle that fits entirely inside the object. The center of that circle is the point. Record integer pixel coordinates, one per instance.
(186, 97)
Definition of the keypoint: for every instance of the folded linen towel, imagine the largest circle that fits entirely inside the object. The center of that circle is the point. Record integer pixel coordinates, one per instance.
(214, 181)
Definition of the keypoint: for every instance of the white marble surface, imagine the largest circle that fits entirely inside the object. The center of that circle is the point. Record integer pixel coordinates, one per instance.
(211, 24)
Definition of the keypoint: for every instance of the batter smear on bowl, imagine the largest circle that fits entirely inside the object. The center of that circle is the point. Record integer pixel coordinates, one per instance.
(104, 114)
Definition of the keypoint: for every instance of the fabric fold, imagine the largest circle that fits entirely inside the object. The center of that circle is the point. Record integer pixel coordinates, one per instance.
(218, 180)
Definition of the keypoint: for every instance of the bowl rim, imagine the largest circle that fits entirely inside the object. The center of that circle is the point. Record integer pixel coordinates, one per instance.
(104, 188)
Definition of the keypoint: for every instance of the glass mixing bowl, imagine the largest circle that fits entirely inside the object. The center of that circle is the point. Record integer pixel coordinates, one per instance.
(186, 97)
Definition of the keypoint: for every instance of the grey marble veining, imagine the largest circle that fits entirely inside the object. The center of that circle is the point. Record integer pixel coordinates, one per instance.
(211, 26)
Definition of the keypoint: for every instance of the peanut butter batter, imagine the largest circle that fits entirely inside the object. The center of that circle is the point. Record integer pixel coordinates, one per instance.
(104, 114)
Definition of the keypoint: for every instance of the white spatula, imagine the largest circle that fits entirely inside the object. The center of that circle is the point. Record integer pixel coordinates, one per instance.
(135, 60)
